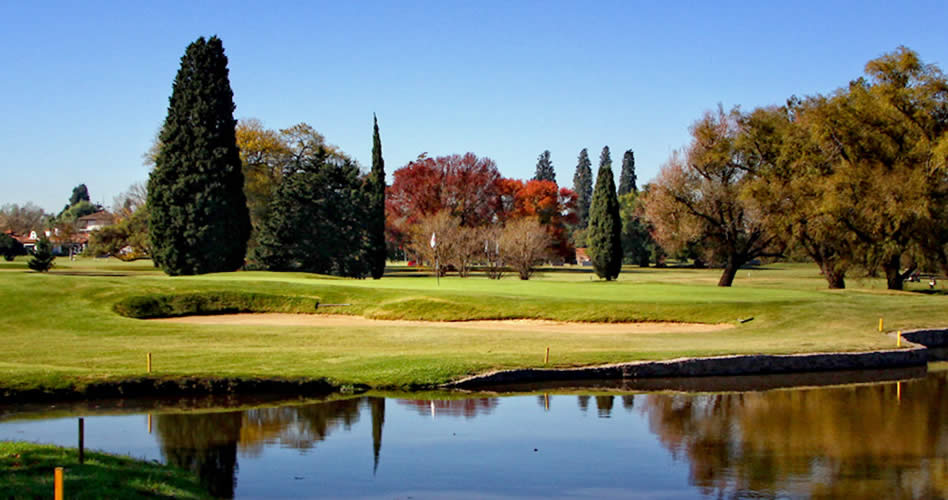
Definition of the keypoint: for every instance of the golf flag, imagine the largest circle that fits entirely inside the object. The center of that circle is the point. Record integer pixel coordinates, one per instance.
(434, 242)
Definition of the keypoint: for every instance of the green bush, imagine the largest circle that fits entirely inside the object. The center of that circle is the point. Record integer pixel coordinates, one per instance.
(43, 256)
(10, 247)
(189, 304)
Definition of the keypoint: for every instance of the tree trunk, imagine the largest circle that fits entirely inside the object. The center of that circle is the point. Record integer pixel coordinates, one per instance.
(893, 277)
(730, 271)
(836, 279)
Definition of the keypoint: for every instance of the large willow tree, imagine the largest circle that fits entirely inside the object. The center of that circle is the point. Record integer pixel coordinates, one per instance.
(697, 201)
(888, 134)
(198, 218)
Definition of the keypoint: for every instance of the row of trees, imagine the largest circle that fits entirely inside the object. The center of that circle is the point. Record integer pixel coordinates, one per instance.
(222, 194)
(301, 203)
(854, 180)
(466, 202)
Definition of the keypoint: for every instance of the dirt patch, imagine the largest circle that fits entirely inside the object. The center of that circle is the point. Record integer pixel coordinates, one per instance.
(528, 325)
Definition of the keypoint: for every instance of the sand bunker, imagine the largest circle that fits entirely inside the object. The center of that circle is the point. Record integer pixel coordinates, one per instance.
(529, 325)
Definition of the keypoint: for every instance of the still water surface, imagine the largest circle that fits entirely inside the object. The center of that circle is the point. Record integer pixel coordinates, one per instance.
(869, 440)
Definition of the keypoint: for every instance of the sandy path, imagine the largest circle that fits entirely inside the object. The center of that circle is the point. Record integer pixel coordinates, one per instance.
(529, 325)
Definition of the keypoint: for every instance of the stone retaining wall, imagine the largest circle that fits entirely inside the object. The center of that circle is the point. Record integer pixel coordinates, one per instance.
(929, 338)
(759, 364)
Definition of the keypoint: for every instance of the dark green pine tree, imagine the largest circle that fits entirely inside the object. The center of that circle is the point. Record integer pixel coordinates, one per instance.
(198, 217)
(43, 256)
(583, 186)
(317, 221)
(79, 193)
(605, 226)
(375, 195)
(545, 168)
(627, 175)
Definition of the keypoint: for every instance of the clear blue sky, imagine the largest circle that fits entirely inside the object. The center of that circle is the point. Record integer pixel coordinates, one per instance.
(85, 85)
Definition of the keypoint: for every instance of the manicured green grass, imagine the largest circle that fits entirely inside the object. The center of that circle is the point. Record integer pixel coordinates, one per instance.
(27, 471)
(60, 329)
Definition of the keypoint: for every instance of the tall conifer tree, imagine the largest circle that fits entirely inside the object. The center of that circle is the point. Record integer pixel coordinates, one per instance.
(605, 226)
(583, 185)
(376, 209)
(198, 218)
(627, 175)
(545, 168)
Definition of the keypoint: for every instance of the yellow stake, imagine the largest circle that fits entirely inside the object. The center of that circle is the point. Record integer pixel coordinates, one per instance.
(880, 324)
(898, 391)
(58, 483)
(148, 362)
(547, 359)
(898, 342)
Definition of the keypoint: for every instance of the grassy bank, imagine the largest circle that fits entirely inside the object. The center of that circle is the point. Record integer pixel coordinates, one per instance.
(26, 471)
(61, 330)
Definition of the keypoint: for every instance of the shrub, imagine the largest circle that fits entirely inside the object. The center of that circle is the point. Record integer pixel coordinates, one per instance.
(10, 247)
(43, 256)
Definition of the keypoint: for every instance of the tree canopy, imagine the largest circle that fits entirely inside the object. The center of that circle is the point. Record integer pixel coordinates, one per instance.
(605, 227)
(198, 217)
(317, 220)
(545, 168)
(697, 199)
(79, 193)
(375, 193)
(467, 186)
(627, 175)
(583, 187)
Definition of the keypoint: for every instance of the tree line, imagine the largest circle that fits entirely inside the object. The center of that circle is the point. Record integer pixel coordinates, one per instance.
(856, 179)
(477, 215)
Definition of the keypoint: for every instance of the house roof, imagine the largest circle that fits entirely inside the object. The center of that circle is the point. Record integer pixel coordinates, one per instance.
(100, 215)
(581, 254)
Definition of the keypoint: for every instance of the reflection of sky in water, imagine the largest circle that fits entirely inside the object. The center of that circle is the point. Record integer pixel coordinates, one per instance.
(867, 441)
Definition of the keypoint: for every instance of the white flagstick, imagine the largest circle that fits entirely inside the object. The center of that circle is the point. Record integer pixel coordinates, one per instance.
(434, 245)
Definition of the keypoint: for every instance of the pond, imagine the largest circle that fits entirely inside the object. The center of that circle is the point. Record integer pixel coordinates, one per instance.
(756, 439)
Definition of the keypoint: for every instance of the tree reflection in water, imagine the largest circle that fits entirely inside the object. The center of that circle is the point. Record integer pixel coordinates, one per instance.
(843, 442)
(858, 441)
(207, 443)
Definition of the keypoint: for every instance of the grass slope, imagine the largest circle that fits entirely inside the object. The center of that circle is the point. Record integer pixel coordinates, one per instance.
(26, 471)
(60, 330)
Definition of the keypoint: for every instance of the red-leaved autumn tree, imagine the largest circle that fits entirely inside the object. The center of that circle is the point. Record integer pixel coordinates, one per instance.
(552, 206)
(466, 186)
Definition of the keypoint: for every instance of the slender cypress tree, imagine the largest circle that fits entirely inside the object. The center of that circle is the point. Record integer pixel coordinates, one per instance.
(198, 217)
(376, 209)
(627, 175)
(583, 185)
(605, 226)
(545, 168)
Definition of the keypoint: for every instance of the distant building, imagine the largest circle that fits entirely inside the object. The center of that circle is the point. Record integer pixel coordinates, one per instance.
(582, 258)
(65, 244)
(94, 221)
